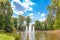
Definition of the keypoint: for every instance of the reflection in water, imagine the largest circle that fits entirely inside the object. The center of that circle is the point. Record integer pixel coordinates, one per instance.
(23, 35)
(32, 36)
(27, 36)
(44, 35)
(41, 35)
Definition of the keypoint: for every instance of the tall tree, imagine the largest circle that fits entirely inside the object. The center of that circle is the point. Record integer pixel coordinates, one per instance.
(45, 25)
(54, 10)
(38, 25)
(21, 20)
(50, 21)
(57, 8)
(14, 22)
(28, 20)
(5, 13)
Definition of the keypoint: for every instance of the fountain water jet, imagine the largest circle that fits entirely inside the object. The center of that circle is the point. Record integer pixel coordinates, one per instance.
(30, 29)
(30, 32)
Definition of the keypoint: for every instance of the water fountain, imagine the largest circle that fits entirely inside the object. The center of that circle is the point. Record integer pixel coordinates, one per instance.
(30, 29)
(29, 34)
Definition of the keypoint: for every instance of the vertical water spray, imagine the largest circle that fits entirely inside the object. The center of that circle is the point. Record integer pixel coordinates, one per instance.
(26, 29)
(33, 29)
(30, 32)
(30, 28)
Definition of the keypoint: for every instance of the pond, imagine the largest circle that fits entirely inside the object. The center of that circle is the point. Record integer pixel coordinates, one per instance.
(39, 35)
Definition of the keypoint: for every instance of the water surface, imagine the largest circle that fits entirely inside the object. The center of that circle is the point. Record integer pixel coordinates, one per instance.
(39, 35)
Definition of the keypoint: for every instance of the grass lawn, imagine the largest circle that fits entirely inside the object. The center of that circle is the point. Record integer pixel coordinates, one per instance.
(5, 37)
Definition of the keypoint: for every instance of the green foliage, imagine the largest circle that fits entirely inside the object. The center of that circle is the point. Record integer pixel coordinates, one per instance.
(55, 9)
(20, 21)
(5, 37)
(50, 21)
(17, 37)
(28, 20)
(15, 23)
(56, 2)
(8, 29)
(45, 25)
(57, 20)
(38, 25)
(5, 14)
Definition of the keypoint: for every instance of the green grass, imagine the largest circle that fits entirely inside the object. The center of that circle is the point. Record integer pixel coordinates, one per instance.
(9, 35)
(17, 37)
(5, 37)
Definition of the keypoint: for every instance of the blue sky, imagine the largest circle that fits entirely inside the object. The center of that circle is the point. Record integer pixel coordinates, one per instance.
(36, 9)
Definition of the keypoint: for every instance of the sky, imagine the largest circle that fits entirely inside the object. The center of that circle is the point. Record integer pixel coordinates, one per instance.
(36, 9)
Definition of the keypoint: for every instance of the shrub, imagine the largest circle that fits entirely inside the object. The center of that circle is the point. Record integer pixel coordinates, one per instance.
(8, 29)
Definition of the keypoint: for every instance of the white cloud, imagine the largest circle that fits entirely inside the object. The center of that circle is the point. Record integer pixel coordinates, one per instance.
(14, 9)
(19, 13)
(42, 19)
(25, 4)
(31, 14)
(32, 17)
(43, 15)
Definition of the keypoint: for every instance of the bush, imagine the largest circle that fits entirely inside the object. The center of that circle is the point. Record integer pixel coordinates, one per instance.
(8, 29)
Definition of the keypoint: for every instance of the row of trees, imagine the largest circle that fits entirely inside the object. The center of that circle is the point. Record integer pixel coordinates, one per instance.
(21, 22)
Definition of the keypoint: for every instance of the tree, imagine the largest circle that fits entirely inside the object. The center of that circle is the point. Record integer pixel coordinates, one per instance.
(28, 20)
(57, 20)
(5, 13)
(38, 25)
(21, 20)
(45, 25)
(14, 22)
(56, 4)
(50, 21)
(54, 11)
